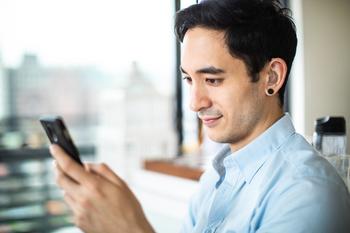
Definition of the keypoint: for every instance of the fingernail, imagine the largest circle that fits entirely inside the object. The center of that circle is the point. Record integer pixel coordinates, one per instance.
(54, 149)
(51, 149)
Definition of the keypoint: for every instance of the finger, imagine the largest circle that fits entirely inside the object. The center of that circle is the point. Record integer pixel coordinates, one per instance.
(72, 203)
(69, 166)
(67, 184)
(104, 171)
(87, 167)
(59, 172)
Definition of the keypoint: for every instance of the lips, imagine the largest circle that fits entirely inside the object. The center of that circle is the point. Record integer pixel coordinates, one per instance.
(210, 121)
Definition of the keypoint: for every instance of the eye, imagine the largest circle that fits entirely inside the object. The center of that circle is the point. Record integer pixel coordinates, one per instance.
(187, 79)
(213, 82)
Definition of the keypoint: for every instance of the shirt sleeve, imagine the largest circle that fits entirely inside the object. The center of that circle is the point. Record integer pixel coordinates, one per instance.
(312, 206)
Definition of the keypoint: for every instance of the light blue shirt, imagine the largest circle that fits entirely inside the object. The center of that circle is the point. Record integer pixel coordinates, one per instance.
(278, 184)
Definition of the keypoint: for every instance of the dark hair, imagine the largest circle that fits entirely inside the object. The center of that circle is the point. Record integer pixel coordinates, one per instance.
(255, 30)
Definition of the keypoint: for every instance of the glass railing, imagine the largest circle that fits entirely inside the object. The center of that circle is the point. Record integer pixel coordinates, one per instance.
(30, 201)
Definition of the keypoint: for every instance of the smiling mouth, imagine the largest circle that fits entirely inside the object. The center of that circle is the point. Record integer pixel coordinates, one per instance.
(210, 121)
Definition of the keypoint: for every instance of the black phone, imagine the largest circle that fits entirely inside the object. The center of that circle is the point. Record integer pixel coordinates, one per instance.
(58, 134)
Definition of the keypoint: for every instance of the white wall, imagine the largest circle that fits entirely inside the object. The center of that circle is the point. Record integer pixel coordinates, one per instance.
(326, 60)
(164, 198)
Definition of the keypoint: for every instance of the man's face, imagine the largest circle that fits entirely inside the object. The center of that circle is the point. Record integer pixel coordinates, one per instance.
(221, 92)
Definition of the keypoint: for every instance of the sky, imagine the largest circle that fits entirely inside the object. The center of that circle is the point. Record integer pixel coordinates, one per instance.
(109, 34)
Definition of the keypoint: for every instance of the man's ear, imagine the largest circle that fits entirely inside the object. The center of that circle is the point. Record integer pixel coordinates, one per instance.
(276, 70)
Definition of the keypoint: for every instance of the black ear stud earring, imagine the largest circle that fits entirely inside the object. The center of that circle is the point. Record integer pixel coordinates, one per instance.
(270, 92)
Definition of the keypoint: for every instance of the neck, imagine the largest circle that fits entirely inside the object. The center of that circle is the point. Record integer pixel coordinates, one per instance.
(265, 122)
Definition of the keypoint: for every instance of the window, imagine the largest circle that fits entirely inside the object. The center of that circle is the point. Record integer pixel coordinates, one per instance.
(107, 67)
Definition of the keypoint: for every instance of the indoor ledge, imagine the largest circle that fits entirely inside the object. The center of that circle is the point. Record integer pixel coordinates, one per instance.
(189, 167)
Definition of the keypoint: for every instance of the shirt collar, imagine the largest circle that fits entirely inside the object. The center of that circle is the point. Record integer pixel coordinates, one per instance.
(218, 163)
(250, 158)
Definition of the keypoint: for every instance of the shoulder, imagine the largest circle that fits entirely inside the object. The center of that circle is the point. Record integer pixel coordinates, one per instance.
(301, 168)
(303, 162)
(307, 193)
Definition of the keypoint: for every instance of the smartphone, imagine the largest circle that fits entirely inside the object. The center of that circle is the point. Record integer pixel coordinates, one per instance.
(58, 134)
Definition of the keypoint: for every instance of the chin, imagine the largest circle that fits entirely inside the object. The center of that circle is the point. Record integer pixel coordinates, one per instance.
(220, 136)
(217, 137)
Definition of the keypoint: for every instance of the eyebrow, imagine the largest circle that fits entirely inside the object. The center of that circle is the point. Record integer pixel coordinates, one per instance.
(206, 70)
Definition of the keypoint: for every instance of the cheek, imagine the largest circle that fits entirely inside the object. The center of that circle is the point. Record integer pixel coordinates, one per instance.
(235, 104)
(230, 100)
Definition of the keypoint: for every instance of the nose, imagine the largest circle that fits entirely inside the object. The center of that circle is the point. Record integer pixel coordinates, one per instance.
(199, 98)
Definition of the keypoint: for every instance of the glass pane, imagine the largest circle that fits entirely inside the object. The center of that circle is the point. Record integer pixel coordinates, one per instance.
(106, 66)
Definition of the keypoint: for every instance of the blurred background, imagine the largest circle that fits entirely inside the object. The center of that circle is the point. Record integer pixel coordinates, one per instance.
(110, 68)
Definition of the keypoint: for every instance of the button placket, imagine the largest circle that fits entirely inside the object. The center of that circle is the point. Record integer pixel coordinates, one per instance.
(225, 194)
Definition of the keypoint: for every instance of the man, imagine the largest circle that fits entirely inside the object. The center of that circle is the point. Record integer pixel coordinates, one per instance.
(237, 55)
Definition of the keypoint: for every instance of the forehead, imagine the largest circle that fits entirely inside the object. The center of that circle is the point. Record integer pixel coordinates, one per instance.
(204, 35)
(200, 40)
(204, 47)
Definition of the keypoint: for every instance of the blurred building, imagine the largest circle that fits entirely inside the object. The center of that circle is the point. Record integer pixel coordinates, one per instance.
(149, 126)
(129, 121)
(3, 91)
(35, 90)
(135, 123)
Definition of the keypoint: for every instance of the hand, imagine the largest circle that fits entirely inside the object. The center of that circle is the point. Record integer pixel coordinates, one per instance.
(101, 202)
